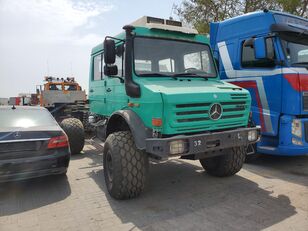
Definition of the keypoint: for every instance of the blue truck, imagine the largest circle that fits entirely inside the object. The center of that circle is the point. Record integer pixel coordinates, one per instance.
(266, 52)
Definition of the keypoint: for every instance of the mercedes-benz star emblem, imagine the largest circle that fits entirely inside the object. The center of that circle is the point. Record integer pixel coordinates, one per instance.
(215, 111)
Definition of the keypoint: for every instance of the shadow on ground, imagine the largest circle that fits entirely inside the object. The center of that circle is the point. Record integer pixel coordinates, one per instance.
(21, 196)
(182, 196)
(288, 168)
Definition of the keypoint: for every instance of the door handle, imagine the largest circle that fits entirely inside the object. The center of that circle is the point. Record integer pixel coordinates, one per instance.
(91, 90)
(108, 90)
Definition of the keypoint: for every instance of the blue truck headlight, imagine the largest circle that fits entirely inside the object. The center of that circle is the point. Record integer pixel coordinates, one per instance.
(178, 147)
(252, 135)
(296, 141)
(297, 128)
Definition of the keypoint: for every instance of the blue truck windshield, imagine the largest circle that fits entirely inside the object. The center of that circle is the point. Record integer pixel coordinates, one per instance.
(296, 54)
(163, 57)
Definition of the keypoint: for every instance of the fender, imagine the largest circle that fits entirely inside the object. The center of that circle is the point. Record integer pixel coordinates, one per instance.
(132, 122)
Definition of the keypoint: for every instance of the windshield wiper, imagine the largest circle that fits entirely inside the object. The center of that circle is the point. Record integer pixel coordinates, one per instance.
(184, 74)
(154, 74)
(305, 64)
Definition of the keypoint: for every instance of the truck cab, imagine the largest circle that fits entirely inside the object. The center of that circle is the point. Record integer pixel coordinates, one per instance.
(266, 52)
(154, 91)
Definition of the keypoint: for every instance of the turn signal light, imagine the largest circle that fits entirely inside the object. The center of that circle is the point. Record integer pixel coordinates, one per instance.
(58, 142)
(157, 122)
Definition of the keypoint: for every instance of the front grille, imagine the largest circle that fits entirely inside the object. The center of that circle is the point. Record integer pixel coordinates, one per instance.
(239, 96)
(305, 101)
(194, 117)
(193, 113)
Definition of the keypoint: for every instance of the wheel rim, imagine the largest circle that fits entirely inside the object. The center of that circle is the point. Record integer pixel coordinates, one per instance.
(109, 168)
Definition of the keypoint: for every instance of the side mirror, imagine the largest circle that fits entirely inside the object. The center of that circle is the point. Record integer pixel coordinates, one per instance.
(110, 70)
(260, 48)
(109, 51)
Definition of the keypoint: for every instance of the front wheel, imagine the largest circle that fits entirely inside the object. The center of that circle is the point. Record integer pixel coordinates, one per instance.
(125, 167)
(227, 164)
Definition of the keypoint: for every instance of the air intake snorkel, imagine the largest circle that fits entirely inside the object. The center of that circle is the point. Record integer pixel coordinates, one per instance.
(132, 88)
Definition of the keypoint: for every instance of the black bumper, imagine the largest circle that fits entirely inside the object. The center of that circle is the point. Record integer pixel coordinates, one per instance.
(201, 143)
(25, 168)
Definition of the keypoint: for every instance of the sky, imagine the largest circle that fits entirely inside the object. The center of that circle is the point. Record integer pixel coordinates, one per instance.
(55, 37)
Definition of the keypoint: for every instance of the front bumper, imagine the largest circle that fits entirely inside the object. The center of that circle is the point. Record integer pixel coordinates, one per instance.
(202, 143)
(25, 168)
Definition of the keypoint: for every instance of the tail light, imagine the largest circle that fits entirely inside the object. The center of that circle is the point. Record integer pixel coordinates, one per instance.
(58, 142)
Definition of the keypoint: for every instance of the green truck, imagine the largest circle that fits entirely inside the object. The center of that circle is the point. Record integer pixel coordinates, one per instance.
(155, 92)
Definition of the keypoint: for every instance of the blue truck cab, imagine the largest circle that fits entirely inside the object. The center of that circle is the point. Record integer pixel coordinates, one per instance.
(266, 52)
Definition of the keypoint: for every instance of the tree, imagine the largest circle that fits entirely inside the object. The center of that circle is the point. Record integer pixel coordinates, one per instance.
(200, 13)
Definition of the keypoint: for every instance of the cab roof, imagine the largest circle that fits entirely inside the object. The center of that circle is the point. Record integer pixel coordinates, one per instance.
(257, 22)
(157, 27)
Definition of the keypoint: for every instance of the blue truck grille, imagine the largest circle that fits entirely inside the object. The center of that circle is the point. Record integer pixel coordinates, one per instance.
(306, 131)
(305, 101)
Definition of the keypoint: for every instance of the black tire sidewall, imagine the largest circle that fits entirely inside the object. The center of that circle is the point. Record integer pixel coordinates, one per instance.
(75, 133)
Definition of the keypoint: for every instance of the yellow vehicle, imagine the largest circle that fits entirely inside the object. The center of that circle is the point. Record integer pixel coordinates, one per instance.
(59, 91)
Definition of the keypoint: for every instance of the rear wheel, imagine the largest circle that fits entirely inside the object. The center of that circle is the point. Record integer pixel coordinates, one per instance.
(227, 164)
(125, 167)
(75, 133)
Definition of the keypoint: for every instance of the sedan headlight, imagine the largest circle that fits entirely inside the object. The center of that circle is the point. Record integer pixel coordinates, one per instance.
(297, 128)
(178, 147)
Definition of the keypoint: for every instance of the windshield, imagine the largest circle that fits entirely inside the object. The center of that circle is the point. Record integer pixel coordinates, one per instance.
(162, 57)
(296, 54)
(57, 87)
(25, 118)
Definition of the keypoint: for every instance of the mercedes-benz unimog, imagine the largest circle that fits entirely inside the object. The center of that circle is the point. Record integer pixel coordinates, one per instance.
(154, 92)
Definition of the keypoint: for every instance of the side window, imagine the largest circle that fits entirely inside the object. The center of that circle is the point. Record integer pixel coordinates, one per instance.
(166, 65)
(97, 67)
(120, 60)
(249, 60)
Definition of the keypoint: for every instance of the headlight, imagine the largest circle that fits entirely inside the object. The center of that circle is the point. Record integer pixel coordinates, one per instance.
(297, 128)
(178, 147)
(252, 135)
(296, 141)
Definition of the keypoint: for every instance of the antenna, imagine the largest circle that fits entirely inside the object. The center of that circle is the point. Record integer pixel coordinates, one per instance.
(173, 7)
(71, 66)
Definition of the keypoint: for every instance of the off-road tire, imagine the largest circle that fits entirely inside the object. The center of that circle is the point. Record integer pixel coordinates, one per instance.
(129, 166)
(227, 164)
(75, 133)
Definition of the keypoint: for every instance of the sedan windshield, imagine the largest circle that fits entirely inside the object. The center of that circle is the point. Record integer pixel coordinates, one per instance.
(162, 57)
(25, 118)
(296, 54)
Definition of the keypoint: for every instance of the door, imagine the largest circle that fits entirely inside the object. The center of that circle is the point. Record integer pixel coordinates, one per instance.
(97, 86)
(116, 98)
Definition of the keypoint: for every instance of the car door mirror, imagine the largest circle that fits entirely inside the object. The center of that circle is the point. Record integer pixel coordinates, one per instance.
(260, 48)
(109, 51)
(110, 70)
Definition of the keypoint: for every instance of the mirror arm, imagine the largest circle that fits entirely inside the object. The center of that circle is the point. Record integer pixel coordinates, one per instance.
(110, 37)
(117, 77)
